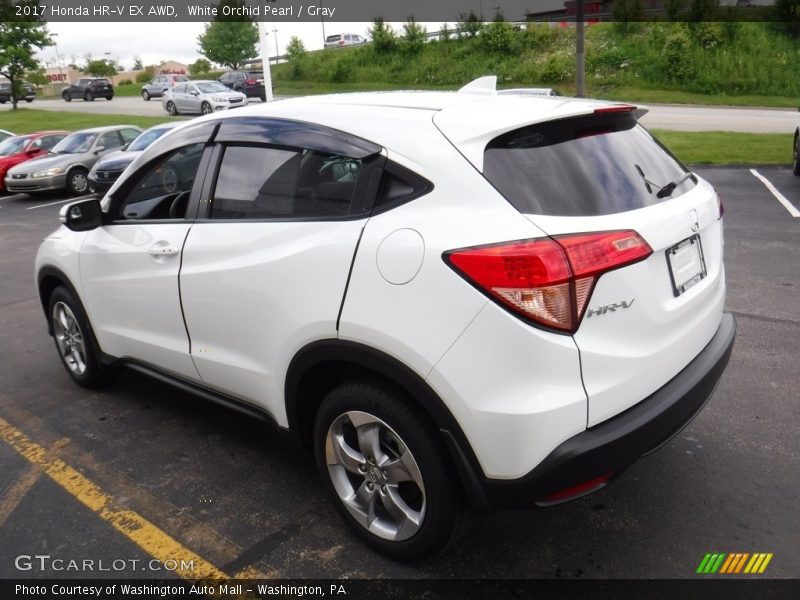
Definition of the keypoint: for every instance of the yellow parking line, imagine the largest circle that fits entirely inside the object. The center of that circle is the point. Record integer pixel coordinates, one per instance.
(17, 491)
(133, 526)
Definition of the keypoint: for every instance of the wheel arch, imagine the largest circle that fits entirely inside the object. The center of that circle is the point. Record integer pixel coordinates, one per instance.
(47, 280)
(321, 365)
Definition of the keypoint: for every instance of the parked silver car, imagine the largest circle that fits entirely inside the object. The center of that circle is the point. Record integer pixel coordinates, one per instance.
(201, 97)
(156, 87)
(70, 160)
(344, 39)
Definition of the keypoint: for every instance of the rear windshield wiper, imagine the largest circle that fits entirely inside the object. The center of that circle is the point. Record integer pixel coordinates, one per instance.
(667, 190)
(647, 182)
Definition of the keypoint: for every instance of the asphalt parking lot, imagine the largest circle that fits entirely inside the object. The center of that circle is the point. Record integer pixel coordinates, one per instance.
(140, 471)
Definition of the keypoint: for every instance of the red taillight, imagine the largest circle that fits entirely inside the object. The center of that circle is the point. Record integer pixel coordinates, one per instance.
(549, 280)
(250, 81)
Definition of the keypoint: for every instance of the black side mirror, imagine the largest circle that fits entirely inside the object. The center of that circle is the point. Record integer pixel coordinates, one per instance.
(82, 216)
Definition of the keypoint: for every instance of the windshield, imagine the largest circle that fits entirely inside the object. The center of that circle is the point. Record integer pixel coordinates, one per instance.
(147, 138)
(76, 143)
(13, 145)
(211, 87)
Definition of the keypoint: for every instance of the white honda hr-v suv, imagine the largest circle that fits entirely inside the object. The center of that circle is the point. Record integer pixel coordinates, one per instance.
(459, 300)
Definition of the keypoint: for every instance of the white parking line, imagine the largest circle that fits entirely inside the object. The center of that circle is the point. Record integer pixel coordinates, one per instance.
(780, 197)
(61, 202)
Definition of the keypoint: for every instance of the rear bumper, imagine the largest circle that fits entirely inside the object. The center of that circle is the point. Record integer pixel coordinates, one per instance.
(606, 449)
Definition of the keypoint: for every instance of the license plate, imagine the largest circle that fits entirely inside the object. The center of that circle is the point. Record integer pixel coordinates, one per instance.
(687, 267)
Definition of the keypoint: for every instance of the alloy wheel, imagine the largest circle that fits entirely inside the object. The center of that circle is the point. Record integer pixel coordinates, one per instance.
(375, 476)
(69, 338)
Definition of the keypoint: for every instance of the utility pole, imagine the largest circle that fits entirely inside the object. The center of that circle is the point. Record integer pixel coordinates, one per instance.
(580, 62)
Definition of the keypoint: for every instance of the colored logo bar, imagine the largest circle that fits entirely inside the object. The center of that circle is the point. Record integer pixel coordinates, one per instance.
(733, 563)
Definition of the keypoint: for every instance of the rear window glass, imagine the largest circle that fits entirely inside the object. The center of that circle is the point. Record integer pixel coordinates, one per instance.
(584, 166)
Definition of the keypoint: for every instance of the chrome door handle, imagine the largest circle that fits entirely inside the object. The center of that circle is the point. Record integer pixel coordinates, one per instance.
(159, 250)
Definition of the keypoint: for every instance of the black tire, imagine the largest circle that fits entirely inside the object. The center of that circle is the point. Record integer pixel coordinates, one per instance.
(92, 374)
(66, 97)
(3, 101)
(438, 506)
(28, 100)
(77, 181)
(145, 96)
(172, 109)
(796, 155)
(88, 97)
(109, 97)
(205, 108)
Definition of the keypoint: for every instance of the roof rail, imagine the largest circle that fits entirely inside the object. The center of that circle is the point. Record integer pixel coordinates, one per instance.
(485, 86)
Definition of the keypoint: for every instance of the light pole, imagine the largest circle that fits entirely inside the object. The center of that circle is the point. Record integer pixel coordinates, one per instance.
(275, 33)
(262, 36)
(53, 37)
(322, 20)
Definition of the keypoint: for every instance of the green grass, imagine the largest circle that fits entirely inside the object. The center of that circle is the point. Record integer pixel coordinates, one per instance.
(728, 148)
(712, 148)
(734, 64)
(129, 89)
(28, 120)
(647, 96)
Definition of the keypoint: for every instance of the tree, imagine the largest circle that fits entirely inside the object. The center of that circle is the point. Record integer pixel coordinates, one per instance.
(788, 16)
(198, 67)
(138, 65)
(230, 40)
(468, 25)
(383, 36)
(19, 41)
(295, 49)
(703, 11)
(627, 12)
(414, 36)
(100, 68)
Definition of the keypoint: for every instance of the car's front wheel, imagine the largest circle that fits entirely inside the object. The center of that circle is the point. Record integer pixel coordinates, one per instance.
(206, 109)
(385, 465)
(145, 95)
(66, 97)
(172, 109)
(74, 339)
(77, 181)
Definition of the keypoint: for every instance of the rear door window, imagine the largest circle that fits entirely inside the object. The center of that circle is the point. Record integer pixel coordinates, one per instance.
(583, 166)
(259, 182)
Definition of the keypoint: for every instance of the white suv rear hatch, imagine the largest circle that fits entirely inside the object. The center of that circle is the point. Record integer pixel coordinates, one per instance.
(601, 171)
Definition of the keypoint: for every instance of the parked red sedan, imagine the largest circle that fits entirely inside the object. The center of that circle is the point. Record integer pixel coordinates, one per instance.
(19, 148)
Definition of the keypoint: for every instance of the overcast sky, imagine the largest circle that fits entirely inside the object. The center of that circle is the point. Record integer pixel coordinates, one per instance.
(156, 42)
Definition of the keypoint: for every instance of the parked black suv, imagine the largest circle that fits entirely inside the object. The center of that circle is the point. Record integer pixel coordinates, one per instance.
(28, 92)
(89, 88)
(250, 83)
